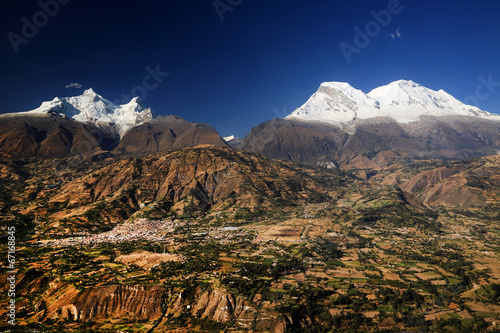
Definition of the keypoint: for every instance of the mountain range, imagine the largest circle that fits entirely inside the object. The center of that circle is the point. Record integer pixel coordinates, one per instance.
(93, 108)
(339, 126)
(90, 126)
(403, 101)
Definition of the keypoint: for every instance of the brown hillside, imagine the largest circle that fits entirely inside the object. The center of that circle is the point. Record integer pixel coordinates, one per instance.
(190, 180)
(468, 183)
(167, 133)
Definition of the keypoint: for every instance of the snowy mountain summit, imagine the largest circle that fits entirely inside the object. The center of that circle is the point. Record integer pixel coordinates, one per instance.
(93, 108)
(403, 101)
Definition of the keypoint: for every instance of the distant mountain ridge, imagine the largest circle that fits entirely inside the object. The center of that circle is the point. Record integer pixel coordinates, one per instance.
(339, 126)
(404, 101)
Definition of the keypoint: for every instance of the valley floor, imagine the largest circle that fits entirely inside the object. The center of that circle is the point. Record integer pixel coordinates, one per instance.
(344, 255)
(314, 271)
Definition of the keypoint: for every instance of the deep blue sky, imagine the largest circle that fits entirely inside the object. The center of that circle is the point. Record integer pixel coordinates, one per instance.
(264, 56)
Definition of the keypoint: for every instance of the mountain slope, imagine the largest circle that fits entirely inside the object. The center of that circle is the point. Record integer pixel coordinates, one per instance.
(166, 133)
(187, 181)
(50, 136)
(461, 184)
(295, 140)
(382, 141)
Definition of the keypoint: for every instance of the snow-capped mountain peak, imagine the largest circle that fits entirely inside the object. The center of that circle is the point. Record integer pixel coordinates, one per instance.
(335, 102)
(403, 101)
(92, 107)
(408, 93)
(89, 92)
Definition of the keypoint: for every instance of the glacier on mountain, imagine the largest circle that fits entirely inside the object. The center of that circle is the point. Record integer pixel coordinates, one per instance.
(403, 101)
(93, 108)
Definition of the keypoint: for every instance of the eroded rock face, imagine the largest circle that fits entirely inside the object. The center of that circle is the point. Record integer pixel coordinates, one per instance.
(469, 184)
(453, 192)
(114, 301)
(148, 302)
(220, 306)
(360, 162)
(450, 191)
(428, 178)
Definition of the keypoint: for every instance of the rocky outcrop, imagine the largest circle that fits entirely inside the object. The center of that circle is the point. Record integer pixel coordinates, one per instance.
(220, 306)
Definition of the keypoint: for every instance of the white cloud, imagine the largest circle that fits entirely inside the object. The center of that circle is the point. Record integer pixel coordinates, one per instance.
(73, 85)
(395, 34)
